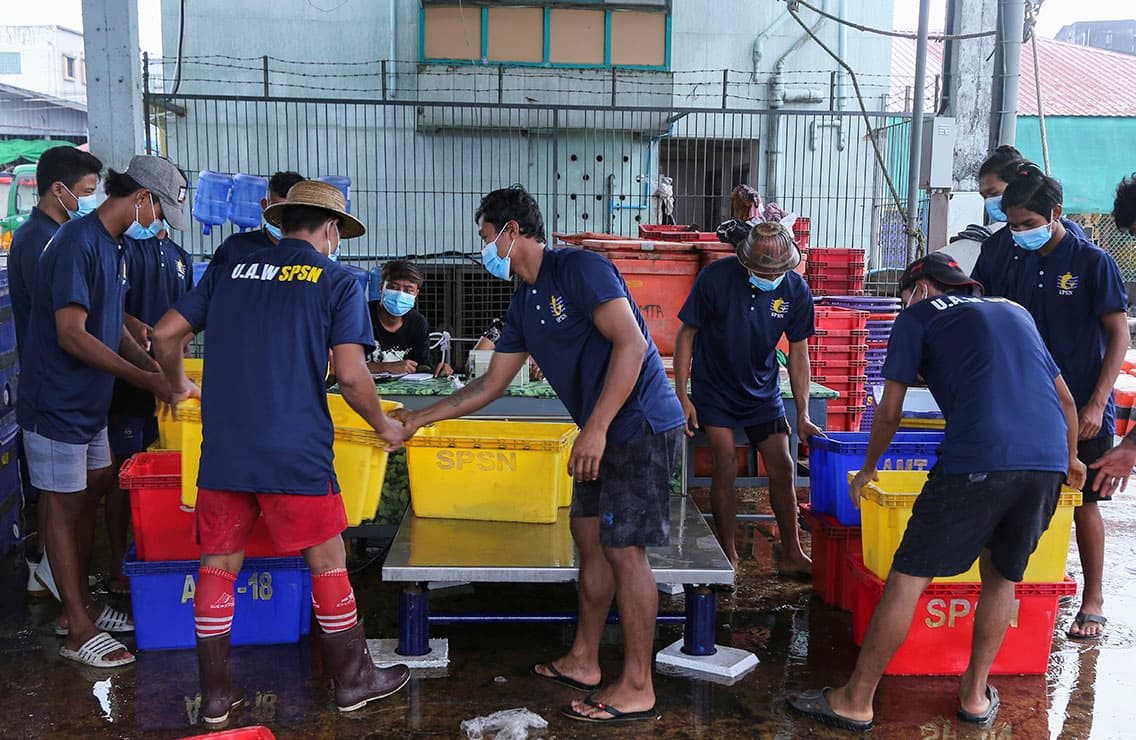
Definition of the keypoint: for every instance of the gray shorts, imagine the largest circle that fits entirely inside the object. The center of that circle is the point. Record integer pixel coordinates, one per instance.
(61, 467)
(632, 495)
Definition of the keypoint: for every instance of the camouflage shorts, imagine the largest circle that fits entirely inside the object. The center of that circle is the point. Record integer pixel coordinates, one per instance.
(632, 495)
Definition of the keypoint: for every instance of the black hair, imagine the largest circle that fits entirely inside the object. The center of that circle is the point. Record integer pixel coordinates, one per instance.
(999, 158)
(1033, 190)
(403, 270)
(281, 182)
(65, 164)
(304, 218)
(512, 204)
(120, 185)
(1124, 207)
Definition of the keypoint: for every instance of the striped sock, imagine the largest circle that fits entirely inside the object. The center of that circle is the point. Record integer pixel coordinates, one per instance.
(334, 601)
(213, 602)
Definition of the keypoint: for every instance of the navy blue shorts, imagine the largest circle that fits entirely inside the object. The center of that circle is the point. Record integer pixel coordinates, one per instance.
(632, 496)
(956, 517)
(130, 435)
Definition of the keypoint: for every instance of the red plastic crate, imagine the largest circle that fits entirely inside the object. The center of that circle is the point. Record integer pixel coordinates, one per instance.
(837, 353)
(704, 461)
(829, 366)
(697, 236)
(828, 319)
(256, 732)
(832, 542)
(841, 291)
(850, 582)
(163, 528)
(833, 281)
(938, 643)
(844, 418)
(826, 336)
(660, 231)
(801, 231)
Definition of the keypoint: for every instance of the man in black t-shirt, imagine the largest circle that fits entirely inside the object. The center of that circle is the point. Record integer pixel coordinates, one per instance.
(401, 332)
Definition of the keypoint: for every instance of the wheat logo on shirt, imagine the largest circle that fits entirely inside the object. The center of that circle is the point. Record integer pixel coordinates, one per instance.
(1067, 283)
(778, 308)
(181, 269)
(557, 304)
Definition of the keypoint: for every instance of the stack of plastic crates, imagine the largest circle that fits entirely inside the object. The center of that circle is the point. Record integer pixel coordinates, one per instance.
(837, 357)
(836, 271)
(882, 312)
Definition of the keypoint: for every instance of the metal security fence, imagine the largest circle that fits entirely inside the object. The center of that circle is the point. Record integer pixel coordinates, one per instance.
(1101, 229)
(419, 168)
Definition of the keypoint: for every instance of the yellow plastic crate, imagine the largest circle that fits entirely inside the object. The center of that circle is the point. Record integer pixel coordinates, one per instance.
(360, 460)
(505, 471)
(169, 430)
(911, 422)
(885, 509)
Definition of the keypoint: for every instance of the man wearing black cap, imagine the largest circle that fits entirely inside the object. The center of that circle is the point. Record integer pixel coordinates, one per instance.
(1011, 440)
(732, 320)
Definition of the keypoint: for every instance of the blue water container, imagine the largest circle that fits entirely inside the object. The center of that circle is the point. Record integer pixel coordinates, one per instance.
(375, 284)
(248, 192)
(343, 184)
(211, 200)
(199, 269)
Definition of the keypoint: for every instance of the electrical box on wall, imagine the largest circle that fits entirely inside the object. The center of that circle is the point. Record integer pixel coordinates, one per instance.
(936, 169)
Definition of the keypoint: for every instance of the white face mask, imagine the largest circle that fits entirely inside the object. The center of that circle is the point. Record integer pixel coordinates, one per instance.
(332, 254)
(909, 301)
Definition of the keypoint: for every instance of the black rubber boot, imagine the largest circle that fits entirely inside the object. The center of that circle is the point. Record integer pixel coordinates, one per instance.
(357, 680)
(218, 697)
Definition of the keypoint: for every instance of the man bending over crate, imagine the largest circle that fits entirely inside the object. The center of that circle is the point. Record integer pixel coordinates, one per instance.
(736, 313)
(574, 314)
(272, 317)
(1011, 439)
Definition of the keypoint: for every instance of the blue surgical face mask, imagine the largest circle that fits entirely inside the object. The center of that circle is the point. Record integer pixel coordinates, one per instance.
(1033, 239)
(84, 205)
(498, 266)
(273, 231)
(396, 302)
(765, 285)
(333, 254)
(138, 232)
(994, 209)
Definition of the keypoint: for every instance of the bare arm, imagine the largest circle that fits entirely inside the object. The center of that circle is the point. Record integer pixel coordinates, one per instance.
(169, 341)
(139, 330)
(74, 339)
(1092, 415)
(359, 391)
(616, 322)
(1076, 474)
(888, 414)
(476, 394)
(800, 374)
(684, 353)
(129, 350)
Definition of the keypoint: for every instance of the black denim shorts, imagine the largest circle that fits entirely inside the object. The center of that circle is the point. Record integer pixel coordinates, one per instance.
(956, 517)
(1088, 452)
(632, 494)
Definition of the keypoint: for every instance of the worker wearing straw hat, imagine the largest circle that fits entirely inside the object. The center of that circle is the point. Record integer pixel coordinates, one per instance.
(268, 434)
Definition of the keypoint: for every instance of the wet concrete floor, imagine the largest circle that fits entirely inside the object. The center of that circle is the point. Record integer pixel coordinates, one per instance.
(800, 642)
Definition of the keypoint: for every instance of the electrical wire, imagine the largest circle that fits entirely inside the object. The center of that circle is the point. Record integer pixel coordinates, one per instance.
(893, 34)
(181, 41)
(1032, 9)
(908, 227)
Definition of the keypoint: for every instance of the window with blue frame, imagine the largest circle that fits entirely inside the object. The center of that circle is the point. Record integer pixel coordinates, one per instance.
(633, 34)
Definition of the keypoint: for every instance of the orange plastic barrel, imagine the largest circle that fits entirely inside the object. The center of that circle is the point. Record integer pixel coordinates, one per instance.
(659, 283)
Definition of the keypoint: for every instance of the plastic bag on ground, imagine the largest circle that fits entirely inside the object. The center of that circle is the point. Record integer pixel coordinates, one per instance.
(508, 724)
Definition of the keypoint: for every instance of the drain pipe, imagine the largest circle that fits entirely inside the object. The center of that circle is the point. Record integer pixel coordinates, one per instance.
(841, 49)
(778, 96)
(759, 42)
(915, 151)
(1011, 25)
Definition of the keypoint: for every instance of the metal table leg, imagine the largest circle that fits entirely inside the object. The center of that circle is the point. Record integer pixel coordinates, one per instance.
(413, 621)
(701, 615)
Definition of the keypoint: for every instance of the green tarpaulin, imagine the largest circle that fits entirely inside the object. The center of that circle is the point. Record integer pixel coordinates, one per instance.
(16, 151)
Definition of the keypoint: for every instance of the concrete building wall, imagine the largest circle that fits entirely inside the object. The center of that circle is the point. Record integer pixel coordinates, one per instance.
(43, 51)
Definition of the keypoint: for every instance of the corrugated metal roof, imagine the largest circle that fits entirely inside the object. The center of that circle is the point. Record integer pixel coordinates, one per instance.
(1075, 80)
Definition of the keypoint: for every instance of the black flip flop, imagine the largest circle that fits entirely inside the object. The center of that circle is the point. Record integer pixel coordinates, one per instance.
(617, 717)
(986, 718)
(559, 678)
(813, 704)
(1081, 620)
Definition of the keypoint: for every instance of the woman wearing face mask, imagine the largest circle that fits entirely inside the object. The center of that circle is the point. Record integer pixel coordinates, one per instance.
(401, 332)
(1076, 294)
(736, 313)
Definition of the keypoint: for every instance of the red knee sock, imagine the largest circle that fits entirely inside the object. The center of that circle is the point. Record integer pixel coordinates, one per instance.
(213, 602)
(334, 601)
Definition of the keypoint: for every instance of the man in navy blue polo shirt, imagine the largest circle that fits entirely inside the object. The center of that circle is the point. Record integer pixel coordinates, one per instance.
(270, 319)
(159, 272)
(1010, 441)
(241, 244)
(1076, 294)
(736, 313)
(66, 179)
(76, 347)
(576, 317)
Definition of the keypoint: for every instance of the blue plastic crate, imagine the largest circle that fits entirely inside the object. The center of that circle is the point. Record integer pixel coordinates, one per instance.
(273, 601)
(831, 457)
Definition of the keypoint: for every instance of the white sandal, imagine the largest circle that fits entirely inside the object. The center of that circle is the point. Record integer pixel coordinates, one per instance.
(93, 652)
(109, 620)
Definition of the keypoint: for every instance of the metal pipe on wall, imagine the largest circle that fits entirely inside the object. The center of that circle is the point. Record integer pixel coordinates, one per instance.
(916, 150)
(1011, 29)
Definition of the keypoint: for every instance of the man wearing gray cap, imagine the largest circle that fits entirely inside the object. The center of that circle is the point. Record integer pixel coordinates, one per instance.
(76, 347)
